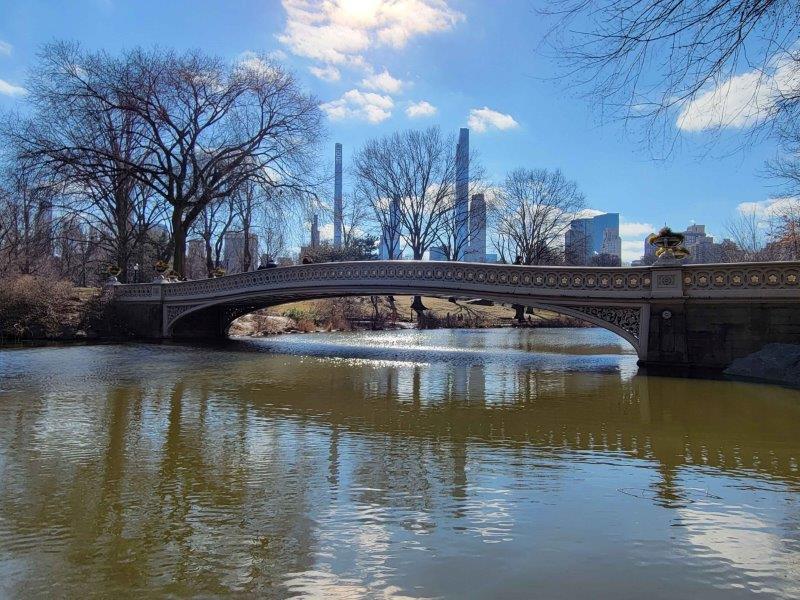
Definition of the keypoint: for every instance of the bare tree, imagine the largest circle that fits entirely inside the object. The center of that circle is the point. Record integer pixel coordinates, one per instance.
(213, 224)
(747, 230)
(785, 232)
(355, 218)
(417, 167)
(651, 59)
(28, 220)
(273, 231)
(532, 210)
(91, 148)
(204, 126)
(458, 227)
(413, 170)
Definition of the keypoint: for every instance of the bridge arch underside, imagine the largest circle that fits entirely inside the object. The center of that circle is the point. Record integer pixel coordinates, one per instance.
(211, 319)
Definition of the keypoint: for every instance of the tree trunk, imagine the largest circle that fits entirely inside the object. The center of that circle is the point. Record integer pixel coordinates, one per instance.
(179, 239)
(209, 256)
(247, 258)
(418, 307)
(519, 313)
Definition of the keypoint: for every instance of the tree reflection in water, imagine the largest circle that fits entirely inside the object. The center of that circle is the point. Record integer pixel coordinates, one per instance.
(181, 470)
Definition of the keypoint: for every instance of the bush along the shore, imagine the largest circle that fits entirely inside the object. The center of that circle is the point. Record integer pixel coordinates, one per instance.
(40, 308)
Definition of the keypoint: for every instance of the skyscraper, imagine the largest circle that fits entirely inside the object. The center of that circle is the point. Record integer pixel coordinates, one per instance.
(337, 199)
(461, 207)
(314, 231)
(234, 258)
(477, 229)
(587, 239)
(390, 234)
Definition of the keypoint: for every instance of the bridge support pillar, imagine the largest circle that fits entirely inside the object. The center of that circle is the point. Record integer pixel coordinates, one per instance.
(666, 339)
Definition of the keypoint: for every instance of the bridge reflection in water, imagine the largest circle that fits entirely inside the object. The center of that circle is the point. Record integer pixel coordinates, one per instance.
(186, 470)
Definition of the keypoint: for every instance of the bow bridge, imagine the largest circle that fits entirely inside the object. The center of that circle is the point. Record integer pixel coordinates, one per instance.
(692, 315)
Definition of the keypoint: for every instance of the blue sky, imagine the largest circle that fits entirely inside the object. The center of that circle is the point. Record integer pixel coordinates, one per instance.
(373, 63)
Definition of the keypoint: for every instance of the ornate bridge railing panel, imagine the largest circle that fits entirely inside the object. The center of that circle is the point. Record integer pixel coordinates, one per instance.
(742, 280)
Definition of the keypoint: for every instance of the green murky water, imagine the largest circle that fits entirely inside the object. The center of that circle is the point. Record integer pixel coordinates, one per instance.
(441, 464)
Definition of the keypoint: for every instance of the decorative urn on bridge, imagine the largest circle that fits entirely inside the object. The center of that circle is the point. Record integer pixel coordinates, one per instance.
(161, 268)
(669, 246)
(113, 272)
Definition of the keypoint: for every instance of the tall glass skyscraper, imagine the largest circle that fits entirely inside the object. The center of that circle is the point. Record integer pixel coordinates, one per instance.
(593, 237)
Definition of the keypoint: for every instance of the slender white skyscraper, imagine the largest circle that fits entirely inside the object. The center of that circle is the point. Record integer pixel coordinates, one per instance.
(337, 199)
(390, 234)
(462, 193)
(477, 229)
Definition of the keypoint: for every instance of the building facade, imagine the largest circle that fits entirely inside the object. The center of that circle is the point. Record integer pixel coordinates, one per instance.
(477, 229)
(461, 207)
(594, 240)
(196, 267)
(389, 248)
(701, 246)
(234, 252)
(338, 219)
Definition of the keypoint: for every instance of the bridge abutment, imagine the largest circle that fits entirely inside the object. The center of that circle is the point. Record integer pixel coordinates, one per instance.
(141, 320)
(712, 334)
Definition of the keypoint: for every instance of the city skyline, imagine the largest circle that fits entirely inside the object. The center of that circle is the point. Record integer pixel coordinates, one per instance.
(443, 67)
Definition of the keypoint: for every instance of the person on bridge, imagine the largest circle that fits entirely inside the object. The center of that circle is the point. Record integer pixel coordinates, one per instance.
(519, 310)
(267, 264)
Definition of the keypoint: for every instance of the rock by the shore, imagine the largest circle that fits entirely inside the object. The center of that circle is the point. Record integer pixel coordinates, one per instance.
(778, 363)
(256, 326)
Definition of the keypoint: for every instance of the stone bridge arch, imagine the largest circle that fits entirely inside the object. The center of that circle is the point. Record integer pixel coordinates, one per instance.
(695, 315)
(214, 318)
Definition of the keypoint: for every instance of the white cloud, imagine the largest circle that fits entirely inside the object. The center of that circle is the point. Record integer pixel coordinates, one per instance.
(355, 104)
(5, 48)
(9, 89)
(632, 250)
(383, 82)
(278, 55)
(482, 119)
(326, 73)
(339, 31)
(257, 63)
(633, 235)
(326, 232)
(420, 109)
(587, 213)
(773, 207)
(742, 100)
(632, 229)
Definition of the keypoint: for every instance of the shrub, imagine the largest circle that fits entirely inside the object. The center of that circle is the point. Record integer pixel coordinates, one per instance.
(37, 308)
(297, 314)
(306, 325)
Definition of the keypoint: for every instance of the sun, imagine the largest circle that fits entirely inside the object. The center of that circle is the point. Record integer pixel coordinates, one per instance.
(361, 11)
